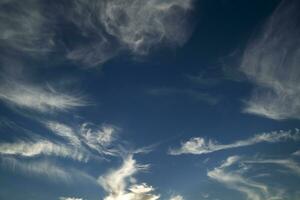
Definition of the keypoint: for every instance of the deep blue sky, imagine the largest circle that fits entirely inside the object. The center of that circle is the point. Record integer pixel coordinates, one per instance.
(146, 100)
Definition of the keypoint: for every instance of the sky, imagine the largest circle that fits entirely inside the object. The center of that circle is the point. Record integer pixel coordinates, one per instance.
(149, 100)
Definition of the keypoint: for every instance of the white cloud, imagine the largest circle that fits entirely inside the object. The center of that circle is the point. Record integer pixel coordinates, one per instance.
(287, 163)
(116, 183)
(271, 61)
(69, 198)
(64, 131)
(177, 197)
(41, 147)
(199, 145)
(37, 98)
(137, 26)
(239, 173)
(296, 153)
(234, 179)
(36, 168)
(99, 138)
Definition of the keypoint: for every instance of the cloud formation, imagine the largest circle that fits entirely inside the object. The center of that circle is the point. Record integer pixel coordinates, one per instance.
(37, 98)
(200, 145)
(41, 147)
(121, 185)
(69, 198)
(134, 26)
(234, 179)
(241, 174)
(271, 62)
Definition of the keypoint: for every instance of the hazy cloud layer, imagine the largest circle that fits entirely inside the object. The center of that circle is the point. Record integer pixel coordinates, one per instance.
(200, 145)
(100, 29)
(271, 61)
(43, 168)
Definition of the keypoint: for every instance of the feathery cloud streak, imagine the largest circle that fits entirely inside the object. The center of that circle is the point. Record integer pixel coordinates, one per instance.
(200, 145)
(271, 62)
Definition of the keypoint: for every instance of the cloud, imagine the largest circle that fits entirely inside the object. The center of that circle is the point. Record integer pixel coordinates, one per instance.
(64, 131)
(296, 153)
(121, 185)
(24, 28)
(38, 98)
(177, 197)
(45, 169)
(238, 173)
(69, 198)
(271, 62)
(200, 145)
(134, 26)
(234, 179)
(37, 168)
(40, 147)
(287, 163)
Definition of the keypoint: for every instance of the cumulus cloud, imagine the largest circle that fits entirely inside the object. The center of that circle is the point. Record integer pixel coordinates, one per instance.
(121, 185)
(200, 145)
(271, 62)
(38, 98)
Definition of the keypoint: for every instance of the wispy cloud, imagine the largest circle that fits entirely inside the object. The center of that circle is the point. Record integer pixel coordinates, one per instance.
(287, 163)
(234, 179)
(200, 145)
(239, 173)
(23, 27)
(121, 185)
(38, 98)
(40, 147)
(69, 198)
(135, 26)
(271, 62)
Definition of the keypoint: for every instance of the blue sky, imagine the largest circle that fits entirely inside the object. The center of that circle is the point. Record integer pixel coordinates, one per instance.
(149, 100)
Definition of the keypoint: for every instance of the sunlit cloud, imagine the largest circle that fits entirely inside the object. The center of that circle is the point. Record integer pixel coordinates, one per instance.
(271, 62)
(200, 145)
(121, 185)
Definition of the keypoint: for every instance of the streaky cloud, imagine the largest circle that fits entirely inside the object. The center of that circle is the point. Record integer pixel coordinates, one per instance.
(45, 99)
(287, 163)
(40, 147)
(69, 198)
(200, 145)
(234, 179)
(271, 62)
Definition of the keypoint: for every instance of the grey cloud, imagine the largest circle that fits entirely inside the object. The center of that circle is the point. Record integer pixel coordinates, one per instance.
(271, 62)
